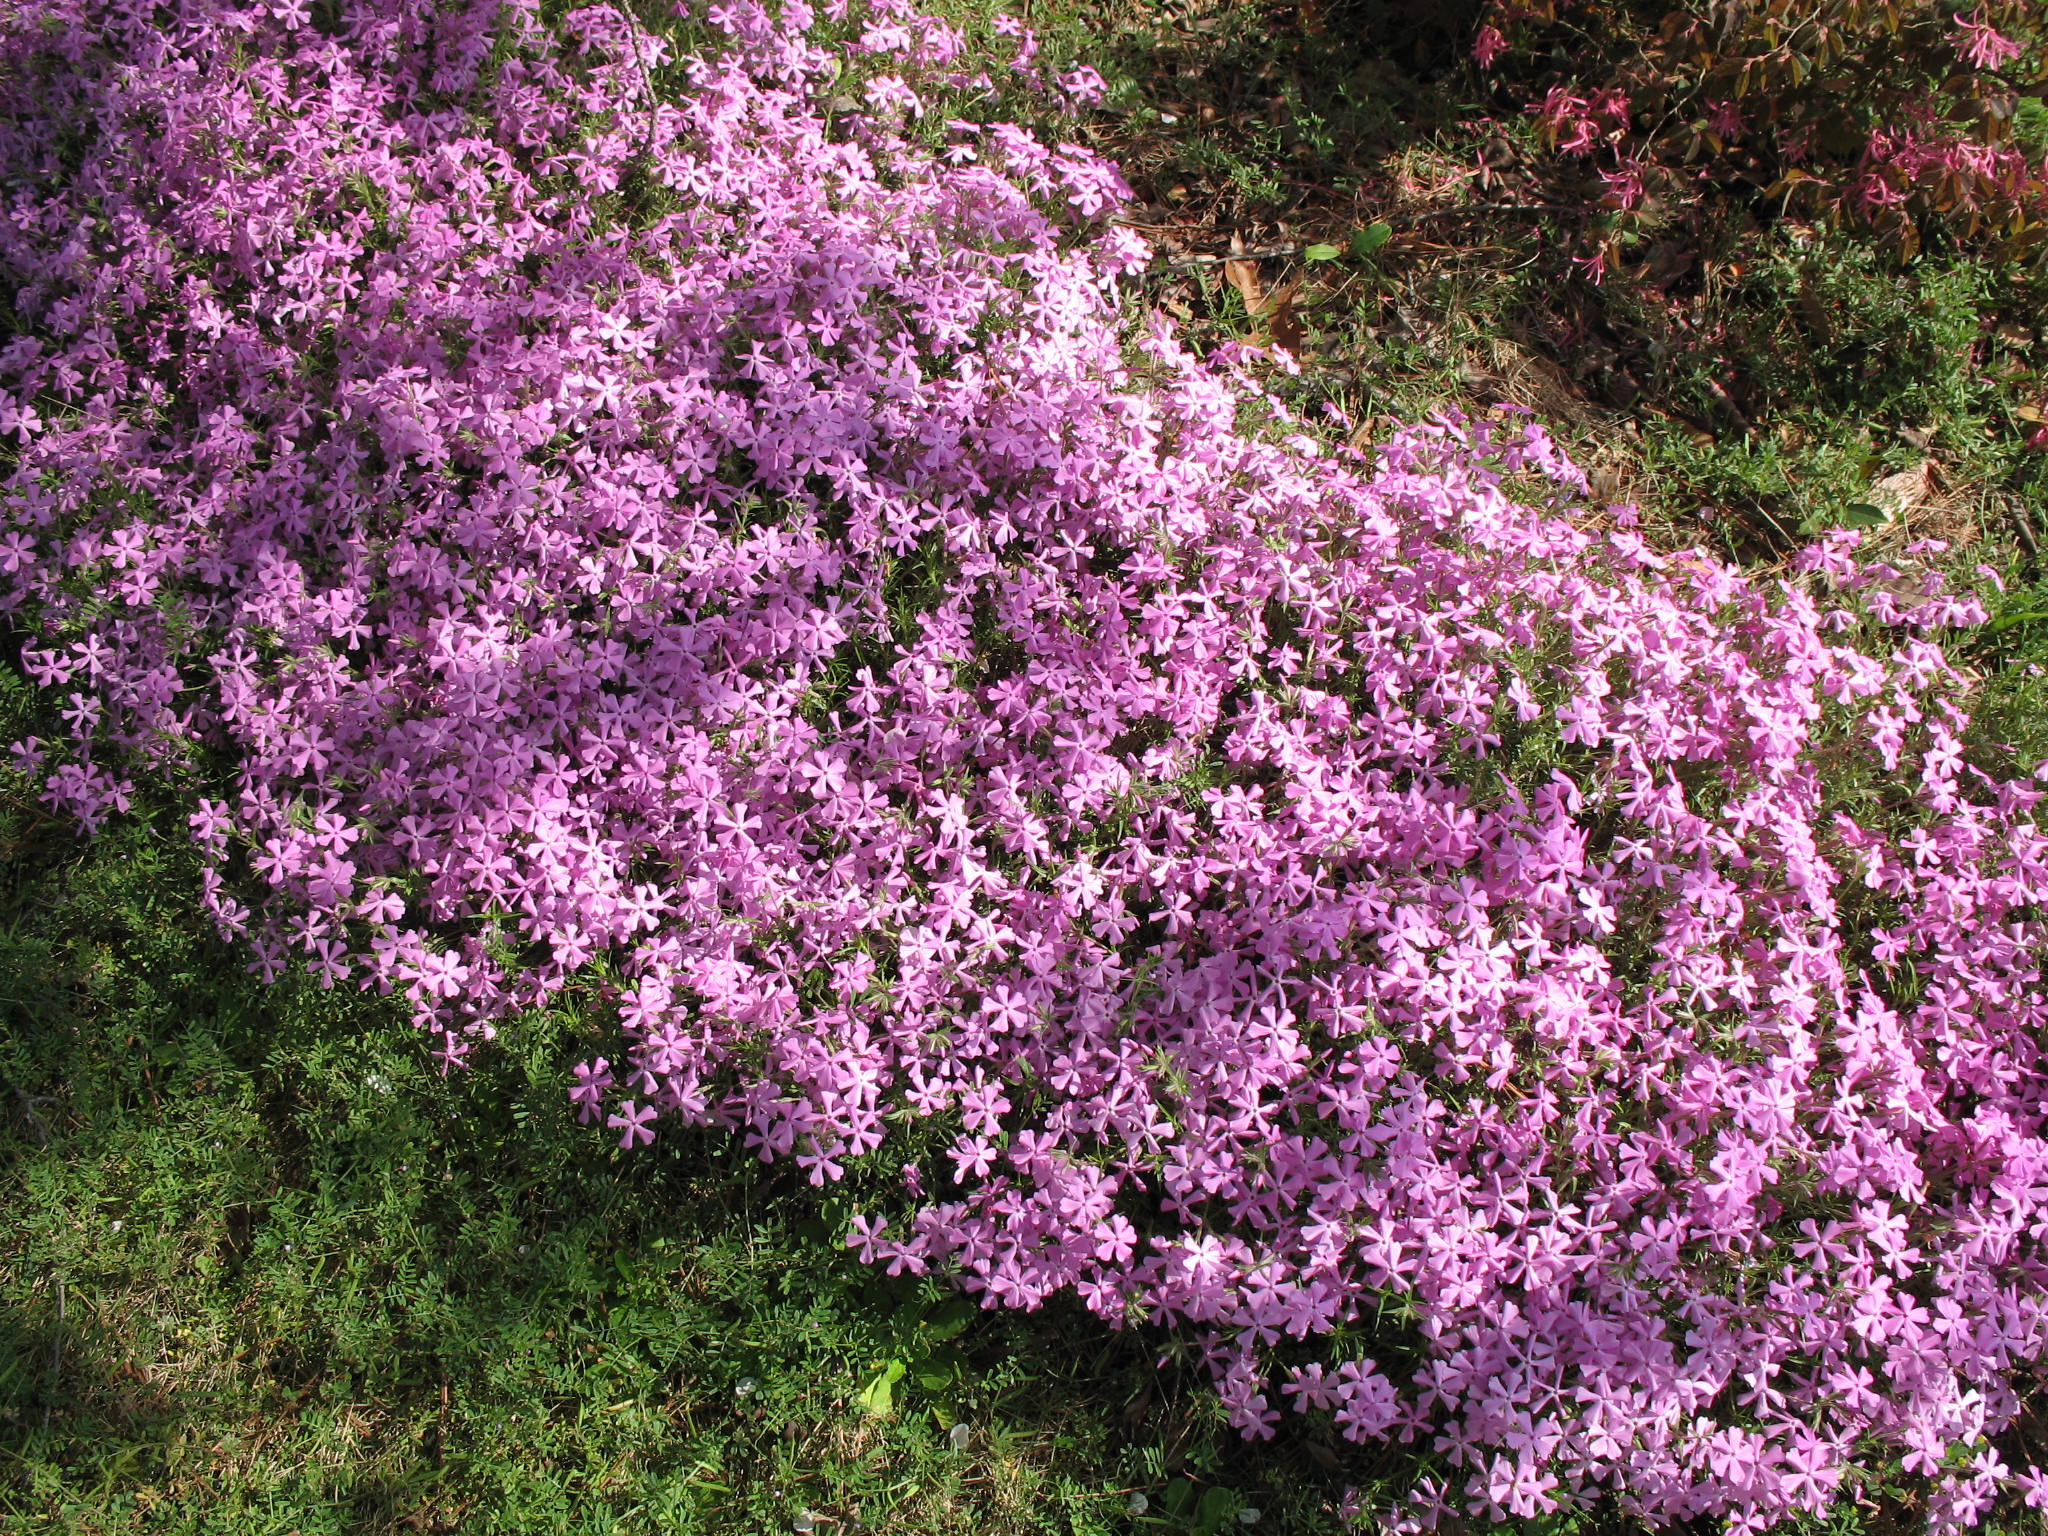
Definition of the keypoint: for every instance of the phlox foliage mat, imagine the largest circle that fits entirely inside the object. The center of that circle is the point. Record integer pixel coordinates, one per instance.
(583, 494)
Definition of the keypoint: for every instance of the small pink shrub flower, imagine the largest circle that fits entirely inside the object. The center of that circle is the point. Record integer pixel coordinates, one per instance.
(1983, 46)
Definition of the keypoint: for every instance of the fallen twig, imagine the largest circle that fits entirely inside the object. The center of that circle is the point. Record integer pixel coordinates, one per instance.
(1271, 252)
(29, 1104)
(2022, 527)
(1263, 253)
(56, 1360)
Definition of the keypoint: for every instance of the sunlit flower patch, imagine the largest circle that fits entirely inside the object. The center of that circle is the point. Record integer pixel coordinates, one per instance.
(583, 499)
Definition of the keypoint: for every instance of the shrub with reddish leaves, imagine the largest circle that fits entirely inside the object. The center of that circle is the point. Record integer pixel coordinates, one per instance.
(565, 502)
(1905, 117)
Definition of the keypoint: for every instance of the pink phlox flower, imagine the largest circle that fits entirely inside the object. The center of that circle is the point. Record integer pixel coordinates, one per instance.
(634, 1121)
(593, 1081)
(889, 93)
(865, 1236)
(1084, 85)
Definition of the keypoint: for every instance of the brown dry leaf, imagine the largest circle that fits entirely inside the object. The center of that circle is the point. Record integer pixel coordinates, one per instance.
(1282, 322)
(1896, 495)
(1244, 277)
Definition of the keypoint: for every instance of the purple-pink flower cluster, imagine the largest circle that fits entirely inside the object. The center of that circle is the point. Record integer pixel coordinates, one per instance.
(570, 495)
